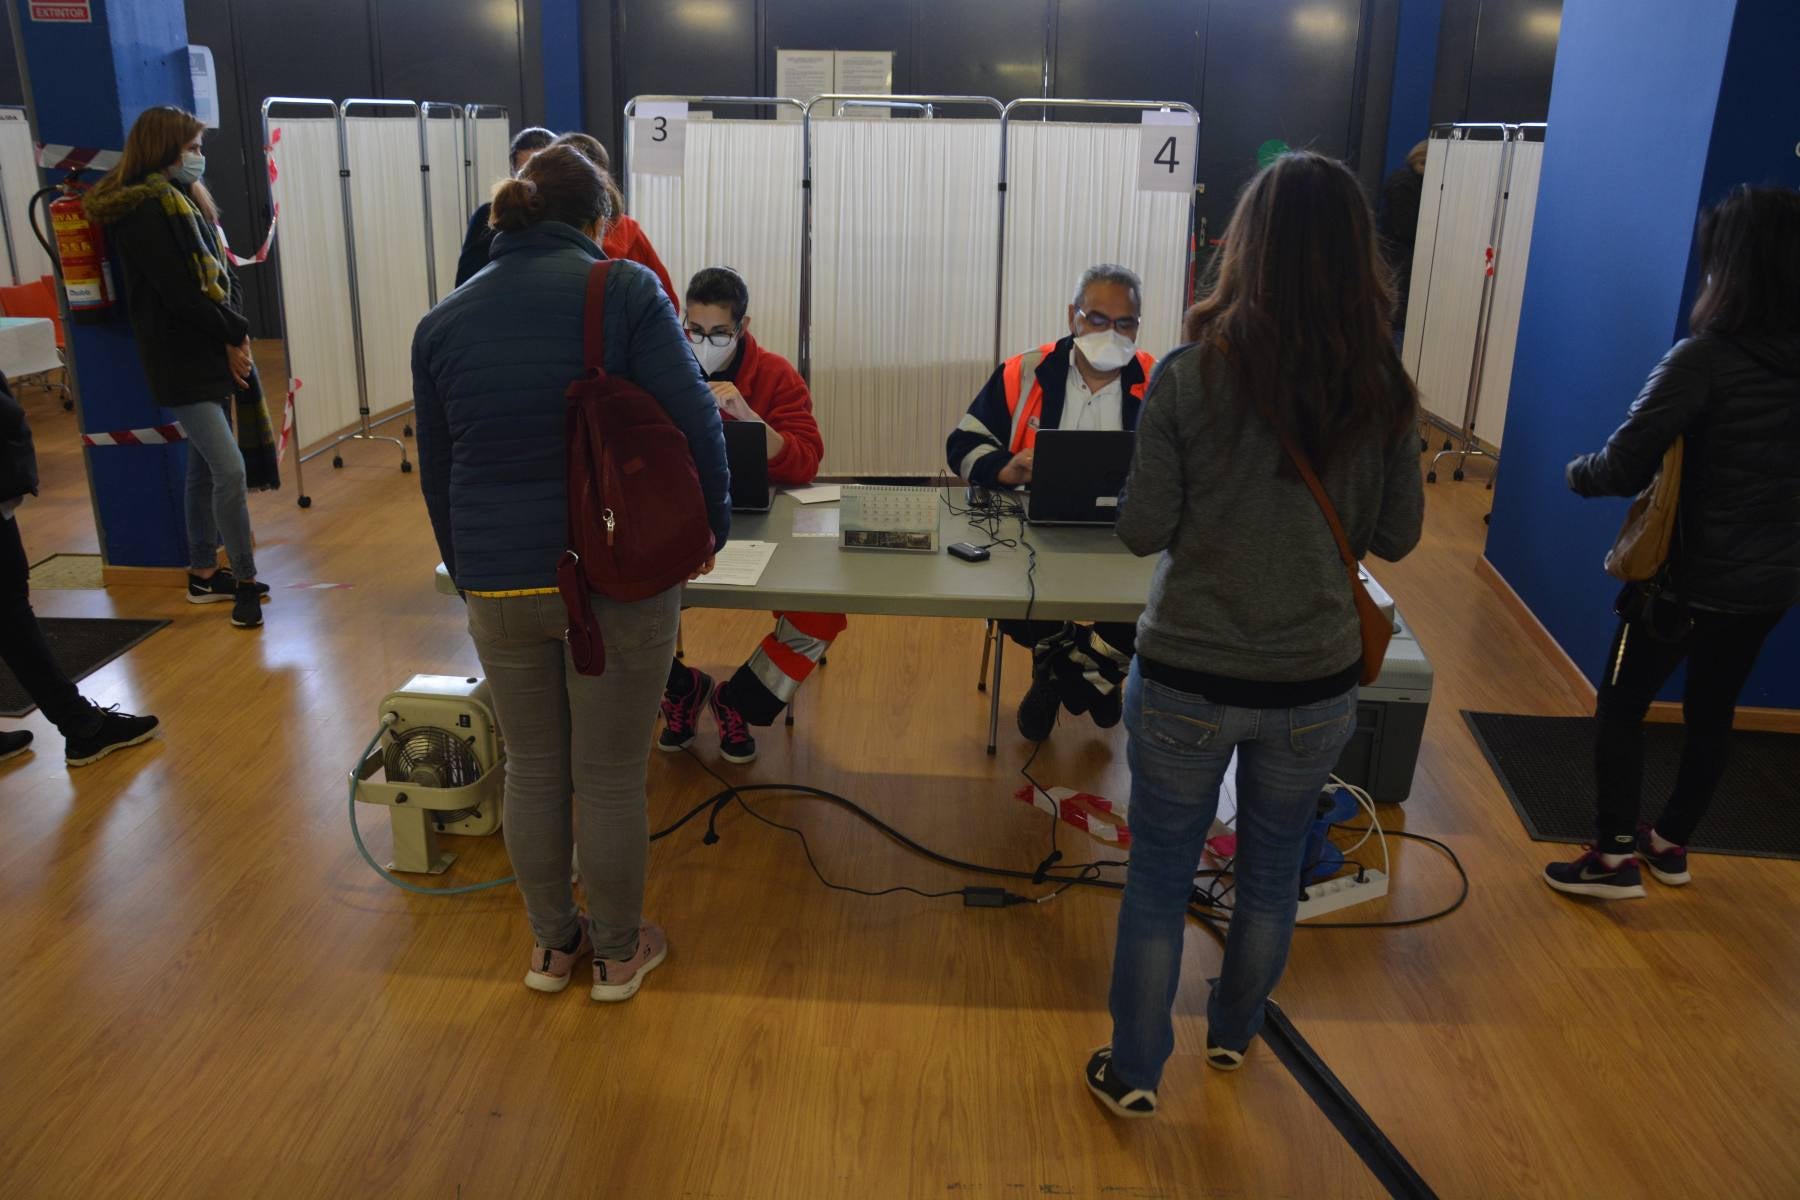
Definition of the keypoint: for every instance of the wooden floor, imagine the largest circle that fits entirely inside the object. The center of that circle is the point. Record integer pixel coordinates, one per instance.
(207, 993)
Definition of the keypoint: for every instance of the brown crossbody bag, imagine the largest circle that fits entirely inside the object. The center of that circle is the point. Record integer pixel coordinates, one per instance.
(1377, 630)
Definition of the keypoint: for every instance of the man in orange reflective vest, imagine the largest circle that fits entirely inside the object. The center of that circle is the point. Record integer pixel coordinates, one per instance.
(1092, 379)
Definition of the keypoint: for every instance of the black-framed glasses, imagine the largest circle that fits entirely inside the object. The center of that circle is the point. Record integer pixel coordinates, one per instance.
(696, 335)
(1100, 323)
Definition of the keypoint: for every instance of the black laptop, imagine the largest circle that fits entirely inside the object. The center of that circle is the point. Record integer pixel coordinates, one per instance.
(1077, 475)
(747, 454)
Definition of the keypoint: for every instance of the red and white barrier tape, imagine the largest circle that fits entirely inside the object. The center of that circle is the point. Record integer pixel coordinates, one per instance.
(262, 253)
(287, 419)
(77, 158)
(1094, 815)
(156, 435)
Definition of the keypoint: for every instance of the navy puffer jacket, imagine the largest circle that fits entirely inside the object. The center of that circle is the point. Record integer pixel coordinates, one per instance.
(490, 366)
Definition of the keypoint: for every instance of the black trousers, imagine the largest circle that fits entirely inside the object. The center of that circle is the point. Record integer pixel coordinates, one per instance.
(1720, 651)
(22, 644)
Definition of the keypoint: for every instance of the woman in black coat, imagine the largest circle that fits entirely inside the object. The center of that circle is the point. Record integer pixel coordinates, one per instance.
(1733, 392)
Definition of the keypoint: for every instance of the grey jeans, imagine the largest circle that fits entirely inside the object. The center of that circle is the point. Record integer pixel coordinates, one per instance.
(217, 504)
(585, 736)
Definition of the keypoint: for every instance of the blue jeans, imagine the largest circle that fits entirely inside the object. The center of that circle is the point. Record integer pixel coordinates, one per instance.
(1179, 747)
(217, 505)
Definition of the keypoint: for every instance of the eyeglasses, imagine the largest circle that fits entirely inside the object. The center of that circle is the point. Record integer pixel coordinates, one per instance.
(696, 335)
(1100, 323)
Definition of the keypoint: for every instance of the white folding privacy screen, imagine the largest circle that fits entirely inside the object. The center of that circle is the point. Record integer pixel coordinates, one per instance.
(904, 286)
(887, 274)
(490, 151)
(406, 225)
(736, 204)
(1071, 204)
(22, 258)
(1468, 279)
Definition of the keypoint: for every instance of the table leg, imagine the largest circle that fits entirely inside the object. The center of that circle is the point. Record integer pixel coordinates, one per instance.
(994, 695)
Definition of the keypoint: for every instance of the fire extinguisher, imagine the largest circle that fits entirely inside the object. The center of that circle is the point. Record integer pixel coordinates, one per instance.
(81, 249)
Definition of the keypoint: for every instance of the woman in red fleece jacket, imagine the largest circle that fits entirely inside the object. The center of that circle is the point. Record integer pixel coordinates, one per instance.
(750, 384)
(624, 237)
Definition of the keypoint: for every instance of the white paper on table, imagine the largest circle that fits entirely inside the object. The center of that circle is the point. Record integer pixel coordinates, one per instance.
(816, 523)
(818, 493)
(740, 564)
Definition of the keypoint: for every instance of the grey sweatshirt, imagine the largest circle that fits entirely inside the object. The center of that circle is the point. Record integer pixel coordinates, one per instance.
(1250, 585)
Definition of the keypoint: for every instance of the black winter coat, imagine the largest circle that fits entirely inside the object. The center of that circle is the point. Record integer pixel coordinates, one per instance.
(1737, 401)
(181, 335)
(18, 457)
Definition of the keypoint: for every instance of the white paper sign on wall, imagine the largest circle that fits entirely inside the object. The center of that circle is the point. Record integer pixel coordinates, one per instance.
(1166, 157)
(659, 137)
(206, 85)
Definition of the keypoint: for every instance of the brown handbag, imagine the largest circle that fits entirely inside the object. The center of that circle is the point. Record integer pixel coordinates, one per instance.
(1377, 630)
(1641, 550)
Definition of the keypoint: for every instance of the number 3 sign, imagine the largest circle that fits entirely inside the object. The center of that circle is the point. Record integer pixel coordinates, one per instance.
(1166, 154)
(659, 138)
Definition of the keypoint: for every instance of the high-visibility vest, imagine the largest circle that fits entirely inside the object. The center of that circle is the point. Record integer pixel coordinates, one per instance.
(1026, 405)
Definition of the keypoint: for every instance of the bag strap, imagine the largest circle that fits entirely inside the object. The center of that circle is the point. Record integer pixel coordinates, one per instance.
(1331, 517)
(594, 317)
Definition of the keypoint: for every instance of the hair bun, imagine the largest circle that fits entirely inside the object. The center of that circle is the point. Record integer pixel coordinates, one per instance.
(517, 204)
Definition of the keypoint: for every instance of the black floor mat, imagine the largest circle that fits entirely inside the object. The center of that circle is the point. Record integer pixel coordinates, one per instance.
(82, 646)
(1546, 765)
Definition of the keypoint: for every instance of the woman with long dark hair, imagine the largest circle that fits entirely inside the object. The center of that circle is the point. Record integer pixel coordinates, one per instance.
(1250, 644)
(1732, 391)
(187, 311)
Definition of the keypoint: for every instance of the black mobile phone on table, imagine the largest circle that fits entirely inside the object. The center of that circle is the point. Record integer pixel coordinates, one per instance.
(968, 551)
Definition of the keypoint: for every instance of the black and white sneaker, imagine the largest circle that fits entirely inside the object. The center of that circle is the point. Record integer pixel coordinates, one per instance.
(1221, 1059)
(218, 587)
(117, 731)
(246, 609)
(14, 743)
(1119, 1096)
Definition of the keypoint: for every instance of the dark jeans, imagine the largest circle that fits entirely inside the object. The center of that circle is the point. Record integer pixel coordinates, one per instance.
(1720, 651)
(23, 648)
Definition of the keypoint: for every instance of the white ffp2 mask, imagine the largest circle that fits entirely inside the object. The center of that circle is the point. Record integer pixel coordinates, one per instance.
(713, 358)
(1108, 350)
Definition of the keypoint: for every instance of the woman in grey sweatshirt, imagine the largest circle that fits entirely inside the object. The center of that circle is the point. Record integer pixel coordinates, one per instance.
(1250, 643)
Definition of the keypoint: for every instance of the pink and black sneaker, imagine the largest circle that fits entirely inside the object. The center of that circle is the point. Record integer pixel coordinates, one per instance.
(619, 979)
(1668, 866)
(735, 743)
(551, 969)
(681, 713)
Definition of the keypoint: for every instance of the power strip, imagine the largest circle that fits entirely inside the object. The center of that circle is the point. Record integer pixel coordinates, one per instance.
(1342, 892)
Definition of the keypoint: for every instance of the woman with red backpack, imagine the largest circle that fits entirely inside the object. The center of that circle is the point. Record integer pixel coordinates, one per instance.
(492, 365)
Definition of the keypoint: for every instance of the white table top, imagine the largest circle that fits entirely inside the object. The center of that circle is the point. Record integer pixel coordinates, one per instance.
(27, 346)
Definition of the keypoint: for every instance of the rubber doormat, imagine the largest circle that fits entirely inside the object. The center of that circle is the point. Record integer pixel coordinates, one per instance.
(82, 646)
(67, 572)
(1546, 765)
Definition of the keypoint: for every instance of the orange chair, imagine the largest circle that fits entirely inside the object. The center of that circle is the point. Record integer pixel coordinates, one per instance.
(38, 299)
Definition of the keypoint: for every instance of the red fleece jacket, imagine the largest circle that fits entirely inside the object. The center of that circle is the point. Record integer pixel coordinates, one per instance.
(777, 394)
(625, 239)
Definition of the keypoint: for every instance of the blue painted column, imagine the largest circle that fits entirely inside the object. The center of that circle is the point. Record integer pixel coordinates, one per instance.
(1657, 109)
(89, 81)
(1415, 72)
(564, 108)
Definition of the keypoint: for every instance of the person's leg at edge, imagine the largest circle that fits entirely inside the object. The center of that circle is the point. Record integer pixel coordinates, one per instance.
(1724, 651)
(523, 663)
(614, 715)
(1178, 749)
(1637, 666)
(210, 435)
(26, 653)
(1280, 775)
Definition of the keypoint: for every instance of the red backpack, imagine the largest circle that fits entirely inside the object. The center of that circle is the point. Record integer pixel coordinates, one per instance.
(637, 514)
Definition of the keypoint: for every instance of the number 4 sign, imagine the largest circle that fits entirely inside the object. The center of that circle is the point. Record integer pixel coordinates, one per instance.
(1166, 156)
(659, 138)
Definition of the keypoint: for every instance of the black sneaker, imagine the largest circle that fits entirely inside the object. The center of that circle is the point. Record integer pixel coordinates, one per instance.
(1119, 1096)
(681, 714)
(735, 743)
(14, 743)
(1590, 876)
(117, 731)
(1668, 867)
(1221, 1059)
(217, 587)
(1041, 703)
(246, 609)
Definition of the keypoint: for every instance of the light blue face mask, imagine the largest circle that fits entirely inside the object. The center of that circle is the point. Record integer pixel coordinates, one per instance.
(192, 167)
